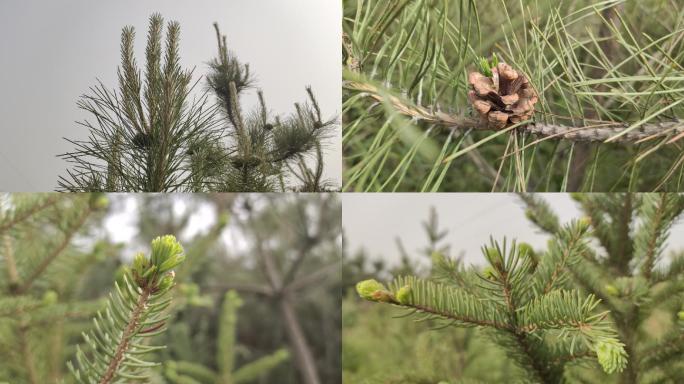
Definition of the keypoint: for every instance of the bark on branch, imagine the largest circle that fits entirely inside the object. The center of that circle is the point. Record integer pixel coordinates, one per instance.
(673, 129)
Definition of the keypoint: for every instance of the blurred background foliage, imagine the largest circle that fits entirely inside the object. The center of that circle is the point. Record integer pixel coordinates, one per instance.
(233, 320)
(592, 62)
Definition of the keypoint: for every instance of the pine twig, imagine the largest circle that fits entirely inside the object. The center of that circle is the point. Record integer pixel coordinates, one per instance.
(589, 133)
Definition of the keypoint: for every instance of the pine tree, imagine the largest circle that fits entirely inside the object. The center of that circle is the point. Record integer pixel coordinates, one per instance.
(264, 150)
(597, 106)
(582, 310)
(152, 135)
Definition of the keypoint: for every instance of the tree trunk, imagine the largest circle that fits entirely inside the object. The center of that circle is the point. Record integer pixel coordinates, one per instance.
(300, 348)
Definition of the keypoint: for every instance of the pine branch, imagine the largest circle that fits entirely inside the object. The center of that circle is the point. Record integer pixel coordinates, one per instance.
(601, 131)
(141, 134)
(134, 312)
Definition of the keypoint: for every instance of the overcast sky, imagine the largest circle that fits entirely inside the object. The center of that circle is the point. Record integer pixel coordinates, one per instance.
(373, 221)
(53, 51)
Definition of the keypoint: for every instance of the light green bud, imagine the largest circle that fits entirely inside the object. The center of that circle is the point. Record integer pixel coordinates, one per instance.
(526, 249)
(436, 257)
(166, 282)
(680, 315)
(611, 355)
(99, 201)
(167, 253)
(50, 297)
(584, 223)
(611, 290)
(234, 299)
(489, 273)
(190, 290)
(223, 219)
(494, 257)
(404, 295)
(367, 288)
(485, 69)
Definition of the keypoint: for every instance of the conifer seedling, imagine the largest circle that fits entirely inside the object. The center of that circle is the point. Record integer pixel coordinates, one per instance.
(603, 301)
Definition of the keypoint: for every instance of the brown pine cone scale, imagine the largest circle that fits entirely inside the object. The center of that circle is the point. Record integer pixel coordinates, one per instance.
(505, 98)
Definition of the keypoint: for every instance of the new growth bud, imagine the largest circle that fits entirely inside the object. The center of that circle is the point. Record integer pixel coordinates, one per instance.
(680, 315)
(584, 223)
(404, 295)
(489, 273)
(494, 257)
(367, 289)
(99, 201)
(223, 220)
(156, 272)
(611, 355)
(166, 282)
(611, 290)
(167, 253)
(50, 297)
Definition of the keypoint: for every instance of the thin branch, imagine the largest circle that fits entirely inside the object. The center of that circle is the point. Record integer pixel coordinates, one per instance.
(313, 277)
(126, 337)
(598, 132)
(55, 253)
(25, 215)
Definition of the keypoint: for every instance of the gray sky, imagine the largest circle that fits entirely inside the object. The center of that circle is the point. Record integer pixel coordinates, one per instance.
(374, 220)
(52, 51)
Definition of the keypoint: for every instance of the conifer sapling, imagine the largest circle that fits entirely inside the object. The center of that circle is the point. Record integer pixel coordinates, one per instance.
(524, 301)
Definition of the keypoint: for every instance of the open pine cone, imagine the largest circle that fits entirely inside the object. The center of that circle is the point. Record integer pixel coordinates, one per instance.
(504, 98)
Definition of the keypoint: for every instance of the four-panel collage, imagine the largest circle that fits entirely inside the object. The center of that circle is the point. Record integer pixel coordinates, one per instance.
(342, 192)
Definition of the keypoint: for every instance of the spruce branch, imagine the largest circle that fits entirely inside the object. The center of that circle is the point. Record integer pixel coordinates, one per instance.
(567, 248)
(435, 300)
(658, 212)
(71, 231)
(134, 312)
(24, 212)
(540, 213)
(521, 299)
(182, 372)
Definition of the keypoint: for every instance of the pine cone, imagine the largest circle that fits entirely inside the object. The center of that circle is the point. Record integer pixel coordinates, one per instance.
(505, 98)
